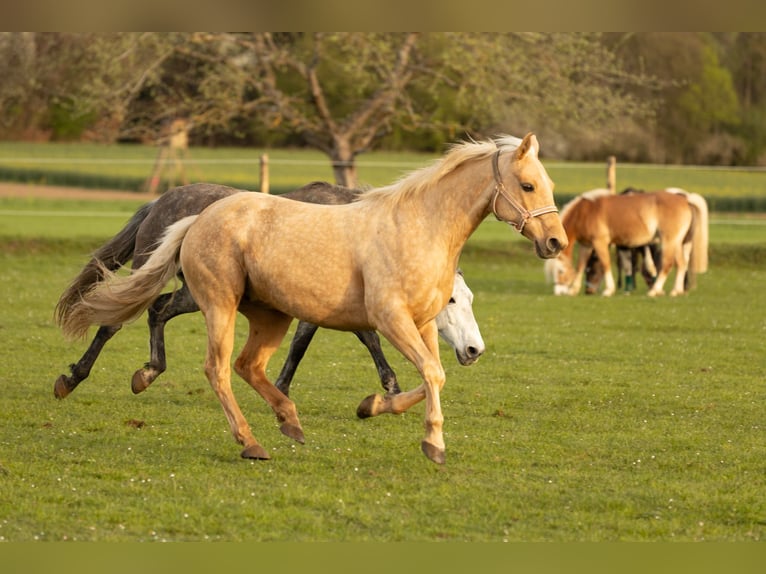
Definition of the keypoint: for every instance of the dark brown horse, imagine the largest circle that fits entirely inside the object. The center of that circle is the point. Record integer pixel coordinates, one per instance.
(144, 231)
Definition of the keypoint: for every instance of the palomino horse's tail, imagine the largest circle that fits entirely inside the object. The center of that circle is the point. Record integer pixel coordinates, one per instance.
(119, 299)
(699, 255)
(111, 256)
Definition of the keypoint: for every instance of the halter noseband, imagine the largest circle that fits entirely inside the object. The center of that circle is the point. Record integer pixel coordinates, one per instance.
(525, 214)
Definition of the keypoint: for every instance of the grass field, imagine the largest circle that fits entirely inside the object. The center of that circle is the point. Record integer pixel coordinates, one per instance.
(588, 419)
(129, 166)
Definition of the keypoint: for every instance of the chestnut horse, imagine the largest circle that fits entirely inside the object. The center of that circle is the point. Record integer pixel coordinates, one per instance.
(595, 220)
(387, 262)
(144, 230)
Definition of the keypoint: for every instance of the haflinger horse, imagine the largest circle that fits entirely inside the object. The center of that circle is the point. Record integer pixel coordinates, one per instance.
(595, 220)
(630, 261)
(385, 262)
(456, 322)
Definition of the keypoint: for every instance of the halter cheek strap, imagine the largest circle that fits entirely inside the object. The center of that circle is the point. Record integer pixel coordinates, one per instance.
(524, 213)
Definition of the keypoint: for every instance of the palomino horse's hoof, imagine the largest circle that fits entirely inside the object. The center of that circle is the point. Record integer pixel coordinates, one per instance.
(62, 388)
(140, 381)
(369, 407)
(255, 451)
(434, 453)
(295, 432)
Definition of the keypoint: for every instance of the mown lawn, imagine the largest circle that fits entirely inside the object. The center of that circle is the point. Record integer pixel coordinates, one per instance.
(588, 419)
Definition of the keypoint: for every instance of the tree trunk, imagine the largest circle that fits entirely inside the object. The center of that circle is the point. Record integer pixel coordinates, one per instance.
(343, 164)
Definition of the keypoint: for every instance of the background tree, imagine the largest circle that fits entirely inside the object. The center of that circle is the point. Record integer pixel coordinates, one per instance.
(668, 97)
(344, 93)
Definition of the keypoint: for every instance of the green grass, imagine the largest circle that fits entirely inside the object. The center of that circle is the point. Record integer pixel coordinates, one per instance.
(129, 166)
(588, 419)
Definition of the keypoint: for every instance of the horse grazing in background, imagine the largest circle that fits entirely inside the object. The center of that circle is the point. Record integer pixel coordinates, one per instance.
(457, 324)
(630, 261)
(387, 262)
(596, 220)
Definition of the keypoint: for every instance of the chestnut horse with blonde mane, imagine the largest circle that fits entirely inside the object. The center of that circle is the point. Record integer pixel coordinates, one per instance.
(387, 262)
(597, 219)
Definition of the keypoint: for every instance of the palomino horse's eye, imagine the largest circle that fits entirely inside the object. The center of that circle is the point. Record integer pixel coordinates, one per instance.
(527, 187)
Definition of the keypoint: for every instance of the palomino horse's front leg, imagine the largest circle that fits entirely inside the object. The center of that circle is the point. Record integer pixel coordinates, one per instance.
(422, 349)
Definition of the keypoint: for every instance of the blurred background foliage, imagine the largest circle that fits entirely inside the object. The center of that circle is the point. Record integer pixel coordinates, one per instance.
(687, 97)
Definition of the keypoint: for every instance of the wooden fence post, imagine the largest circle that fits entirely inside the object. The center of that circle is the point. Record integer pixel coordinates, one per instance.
(611, 174)
(264, 173)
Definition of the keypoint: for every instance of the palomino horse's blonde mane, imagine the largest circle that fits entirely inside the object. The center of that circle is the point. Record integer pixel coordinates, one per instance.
(421, 179)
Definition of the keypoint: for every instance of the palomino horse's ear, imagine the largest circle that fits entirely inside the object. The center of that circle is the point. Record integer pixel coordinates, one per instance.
(529, 143)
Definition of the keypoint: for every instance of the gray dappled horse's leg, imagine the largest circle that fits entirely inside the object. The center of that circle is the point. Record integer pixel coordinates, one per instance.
(164, 308)
(80, 370)
(387, 376)
(304, 333)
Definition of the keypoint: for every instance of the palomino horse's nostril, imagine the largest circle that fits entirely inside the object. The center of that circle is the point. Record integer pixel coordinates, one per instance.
(554, 245)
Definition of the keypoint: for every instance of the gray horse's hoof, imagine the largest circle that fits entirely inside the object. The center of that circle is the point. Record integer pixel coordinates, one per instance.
(434, 454)
(140, 381)
(61, 388)
(256, 452)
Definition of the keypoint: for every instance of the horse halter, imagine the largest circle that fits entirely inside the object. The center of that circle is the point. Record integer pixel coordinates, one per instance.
(525, 214)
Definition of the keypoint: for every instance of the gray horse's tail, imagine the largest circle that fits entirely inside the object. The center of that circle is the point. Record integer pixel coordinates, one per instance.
(111, 256)
(119, 299)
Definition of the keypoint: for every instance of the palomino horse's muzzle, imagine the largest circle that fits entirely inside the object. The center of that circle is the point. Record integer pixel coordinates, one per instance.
(524, 214)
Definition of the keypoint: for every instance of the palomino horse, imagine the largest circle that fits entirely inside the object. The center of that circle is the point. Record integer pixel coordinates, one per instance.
(386, 261)
(457, 324)
(595, 220)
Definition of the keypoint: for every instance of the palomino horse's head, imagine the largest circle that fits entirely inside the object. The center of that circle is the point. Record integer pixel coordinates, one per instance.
(457, 324)
(524, 198)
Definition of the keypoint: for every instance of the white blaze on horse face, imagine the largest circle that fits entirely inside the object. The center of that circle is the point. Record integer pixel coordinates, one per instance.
(457, 324)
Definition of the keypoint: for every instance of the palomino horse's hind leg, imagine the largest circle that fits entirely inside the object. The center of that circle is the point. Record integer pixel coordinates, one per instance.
(164, 308)
(80, 370)
(267, 329)
(220, 329)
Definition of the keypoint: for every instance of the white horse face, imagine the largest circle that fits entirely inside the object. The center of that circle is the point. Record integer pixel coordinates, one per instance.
(458, 326)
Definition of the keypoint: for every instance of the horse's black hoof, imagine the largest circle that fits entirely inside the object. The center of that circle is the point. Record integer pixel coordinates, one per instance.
(255, 452)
